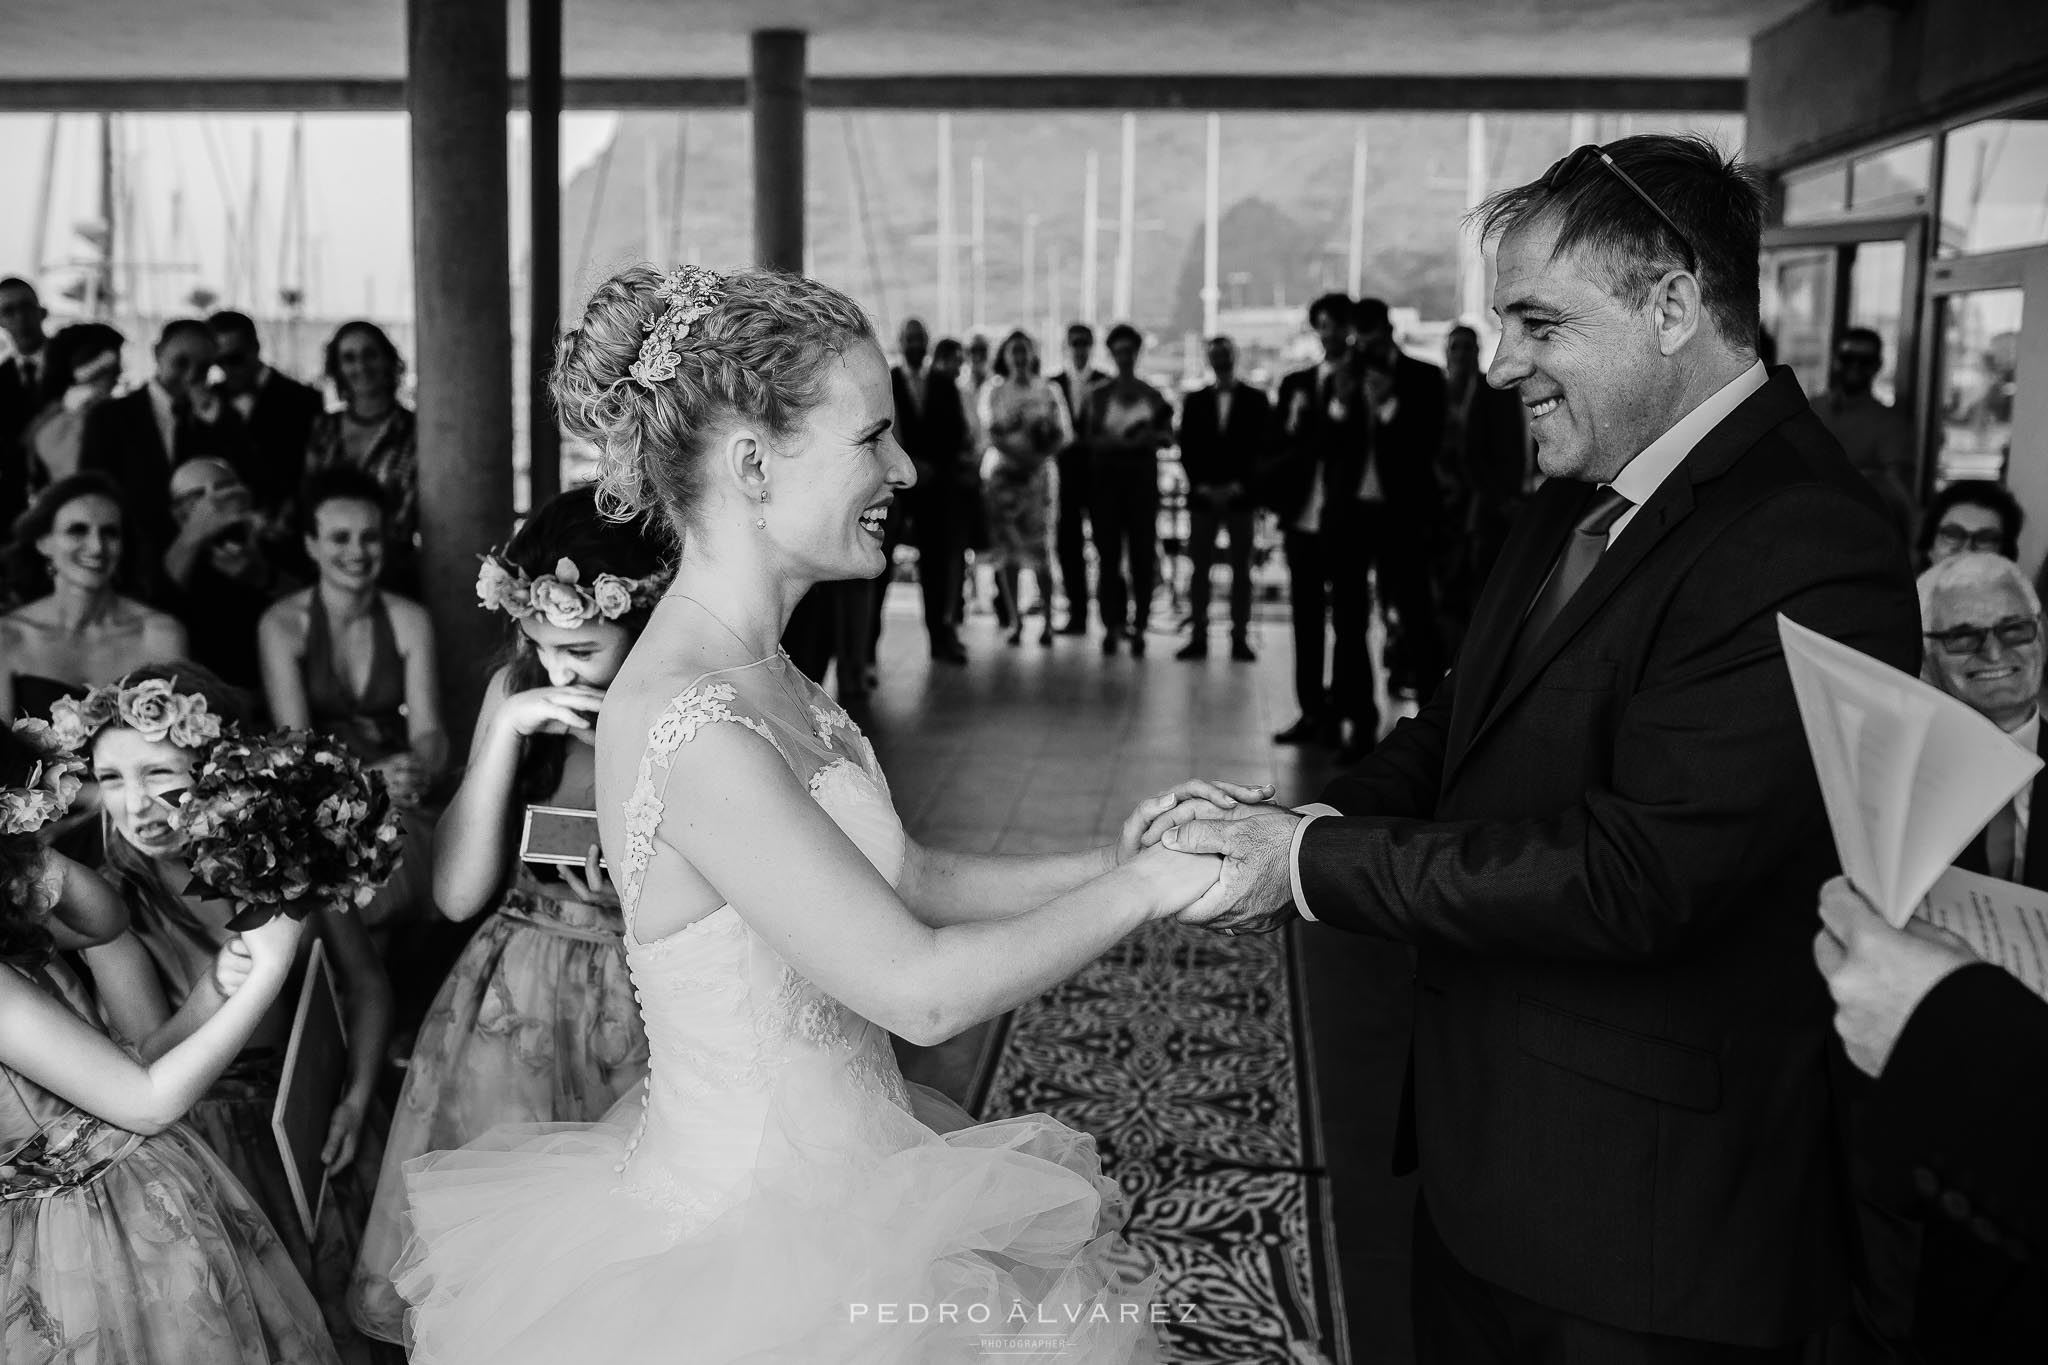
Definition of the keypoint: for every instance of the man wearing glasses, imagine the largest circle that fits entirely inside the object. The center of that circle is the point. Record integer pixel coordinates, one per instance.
(1603, 835)
(1878, 441)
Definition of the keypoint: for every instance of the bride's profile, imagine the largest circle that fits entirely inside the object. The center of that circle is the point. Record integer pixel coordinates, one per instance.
(776, 1191)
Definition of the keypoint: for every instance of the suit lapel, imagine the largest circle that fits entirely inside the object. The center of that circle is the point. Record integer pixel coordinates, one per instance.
(2036, 873)
(1779, 399)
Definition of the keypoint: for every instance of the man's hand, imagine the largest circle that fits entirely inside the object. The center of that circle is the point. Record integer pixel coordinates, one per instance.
(1256, 891)
(1186, 801)
(1877, 974)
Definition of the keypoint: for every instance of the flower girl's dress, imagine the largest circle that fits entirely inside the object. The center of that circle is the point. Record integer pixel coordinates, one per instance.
(769, 1196)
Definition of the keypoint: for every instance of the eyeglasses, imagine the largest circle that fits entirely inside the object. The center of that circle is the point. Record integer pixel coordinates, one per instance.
(1867, 359)
(1962, 641)
(1986, 540)
(1571, 167)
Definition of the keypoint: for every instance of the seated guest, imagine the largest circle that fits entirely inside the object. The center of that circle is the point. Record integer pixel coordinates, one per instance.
(140, 437)
(81, 365)
(221, 574)
(375, 433)
(277, 412)
(127, 1238)
(348, 658)
(1971, 516)
(1954, 1128)
(82, 629)
(1983, 625)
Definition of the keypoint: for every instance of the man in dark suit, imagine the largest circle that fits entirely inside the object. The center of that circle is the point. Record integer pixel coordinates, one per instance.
(1400, 503)
(140, 437)
(1222, 439)
(1486, 468)
(277, 412)
(1070, 535)
(1603, 834)
(1321, 436)
(939, 518)
(21, 391)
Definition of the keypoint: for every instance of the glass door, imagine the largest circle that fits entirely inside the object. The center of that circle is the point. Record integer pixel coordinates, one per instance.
(1975, 382)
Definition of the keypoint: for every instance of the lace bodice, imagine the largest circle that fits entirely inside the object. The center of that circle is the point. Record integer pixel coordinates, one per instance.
(741, 1045)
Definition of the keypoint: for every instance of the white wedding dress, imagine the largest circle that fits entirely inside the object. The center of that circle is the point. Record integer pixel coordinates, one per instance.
(769, 1195)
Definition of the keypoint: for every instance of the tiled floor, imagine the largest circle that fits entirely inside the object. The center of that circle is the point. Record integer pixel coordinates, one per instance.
(1031, 749)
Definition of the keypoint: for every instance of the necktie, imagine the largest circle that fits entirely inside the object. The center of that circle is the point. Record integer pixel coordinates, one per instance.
(2001, 842)
(1574, 566)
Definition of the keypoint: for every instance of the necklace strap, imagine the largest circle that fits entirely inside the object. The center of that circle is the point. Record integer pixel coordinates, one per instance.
(742, 640)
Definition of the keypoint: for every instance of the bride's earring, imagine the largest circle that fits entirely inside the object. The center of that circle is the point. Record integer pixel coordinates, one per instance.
(761, 523)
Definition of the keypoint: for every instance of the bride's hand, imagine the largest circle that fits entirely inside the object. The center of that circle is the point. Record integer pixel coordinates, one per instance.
(1188, 800)
(1174, 881)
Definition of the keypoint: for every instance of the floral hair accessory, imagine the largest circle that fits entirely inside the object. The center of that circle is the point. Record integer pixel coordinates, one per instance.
(153, 708)
(561, 598)
(53, 782)
(691, 291)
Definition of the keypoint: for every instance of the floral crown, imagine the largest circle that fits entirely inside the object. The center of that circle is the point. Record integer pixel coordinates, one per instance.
(52, 785)
(560, 598)
(153, 708)
(691, 291)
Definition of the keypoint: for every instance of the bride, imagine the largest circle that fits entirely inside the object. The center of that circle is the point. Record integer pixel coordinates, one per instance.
(776, 1192)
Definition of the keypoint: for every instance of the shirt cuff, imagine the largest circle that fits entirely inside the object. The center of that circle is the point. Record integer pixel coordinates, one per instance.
(1310, 814)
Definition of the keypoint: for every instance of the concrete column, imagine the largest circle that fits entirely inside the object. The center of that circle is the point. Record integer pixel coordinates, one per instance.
(457, 96)
(544, 278)
(775, 95)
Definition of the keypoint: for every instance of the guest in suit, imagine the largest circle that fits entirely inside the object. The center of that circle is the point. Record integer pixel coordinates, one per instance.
(1603, 834)
(139, 438)
(376, 434)
(940, 509)
(1222, 439)
(1321, 435)
(1124, 425)
(1971, 1299)
(1076, 490)
(21, 389)
(1486, 472)
(219, 572)
(277, 412)
(81, 366)
(1399, 507)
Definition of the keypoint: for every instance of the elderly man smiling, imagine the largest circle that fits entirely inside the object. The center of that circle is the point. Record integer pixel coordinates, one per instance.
(1983, 625)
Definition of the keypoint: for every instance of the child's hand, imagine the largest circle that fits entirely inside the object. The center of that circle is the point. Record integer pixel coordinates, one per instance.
(231, 967)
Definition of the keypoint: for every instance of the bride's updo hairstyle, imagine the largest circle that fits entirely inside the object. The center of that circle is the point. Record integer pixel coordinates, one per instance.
(759, 353)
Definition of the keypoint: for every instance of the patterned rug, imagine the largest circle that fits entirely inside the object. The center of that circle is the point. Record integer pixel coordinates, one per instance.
(1183, 1053)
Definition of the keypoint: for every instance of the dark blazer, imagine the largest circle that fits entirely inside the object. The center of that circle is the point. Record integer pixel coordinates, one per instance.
(277, 430)
(1305, 439)
(19, 404)
(1405, 449)
(1493, 468)
(121, 440)
(1607, 859)
(1956, 1126)
(1077, 406)
(1232, 454)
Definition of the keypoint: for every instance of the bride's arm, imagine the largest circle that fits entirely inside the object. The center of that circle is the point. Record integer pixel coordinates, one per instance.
(943, 888)
(770, 851)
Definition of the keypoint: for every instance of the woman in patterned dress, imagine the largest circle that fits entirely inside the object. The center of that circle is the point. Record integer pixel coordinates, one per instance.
(1028, 425)
(536, 1024)
(122, 1237)
(375, 433)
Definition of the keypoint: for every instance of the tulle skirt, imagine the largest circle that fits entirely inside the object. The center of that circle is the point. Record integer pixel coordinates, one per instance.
(161, 1260)
(536, 1024)
(543, 1244)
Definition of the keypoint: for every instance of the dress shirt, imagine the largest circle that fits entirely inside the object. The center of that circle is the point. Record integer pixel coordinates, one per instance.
(1646, 473)
(1224, 393)
(2028, 737)
(245, 403)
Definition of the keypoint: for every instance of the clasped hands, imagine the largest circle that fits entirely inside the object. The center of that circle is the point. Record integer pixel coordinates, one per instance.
(1253, 839)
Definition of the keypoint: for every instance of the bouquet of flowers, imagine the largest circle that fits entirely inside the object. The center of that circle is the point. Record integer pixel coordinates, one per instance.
(287, 823)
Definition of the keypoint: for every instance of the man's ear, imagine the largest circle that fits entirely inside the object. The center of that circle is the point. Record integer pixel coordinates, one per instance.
(1680, 312)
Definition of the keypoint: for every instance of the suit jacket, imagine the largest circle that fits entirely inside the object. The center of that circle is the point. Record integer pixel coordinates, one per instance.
(122, 441)
(1305, 439)
(1077, 404)
(2034, 869)
(1229, 455)
(19, 404)
(1404, 449)
(277, 430)
(1493, 468)
(1607, 859)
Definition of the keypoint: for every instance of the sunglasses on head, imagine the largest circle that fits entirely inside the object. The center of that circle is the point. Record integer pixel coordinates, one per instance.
(1962, 641)
(1572, 166)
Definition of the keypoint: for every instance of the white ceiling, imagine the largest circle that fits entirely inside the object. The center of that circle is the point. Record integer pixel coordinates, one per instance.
(96, 40)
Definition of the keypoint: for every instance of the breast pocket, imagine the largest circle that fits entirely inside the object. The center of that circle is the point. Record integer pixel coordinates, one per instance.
(1584, 675)
(1655, 1068)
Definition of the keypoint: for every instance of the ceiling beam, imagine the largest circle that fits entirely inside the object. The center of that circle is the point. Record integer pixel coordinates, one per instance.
(1194, 93)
